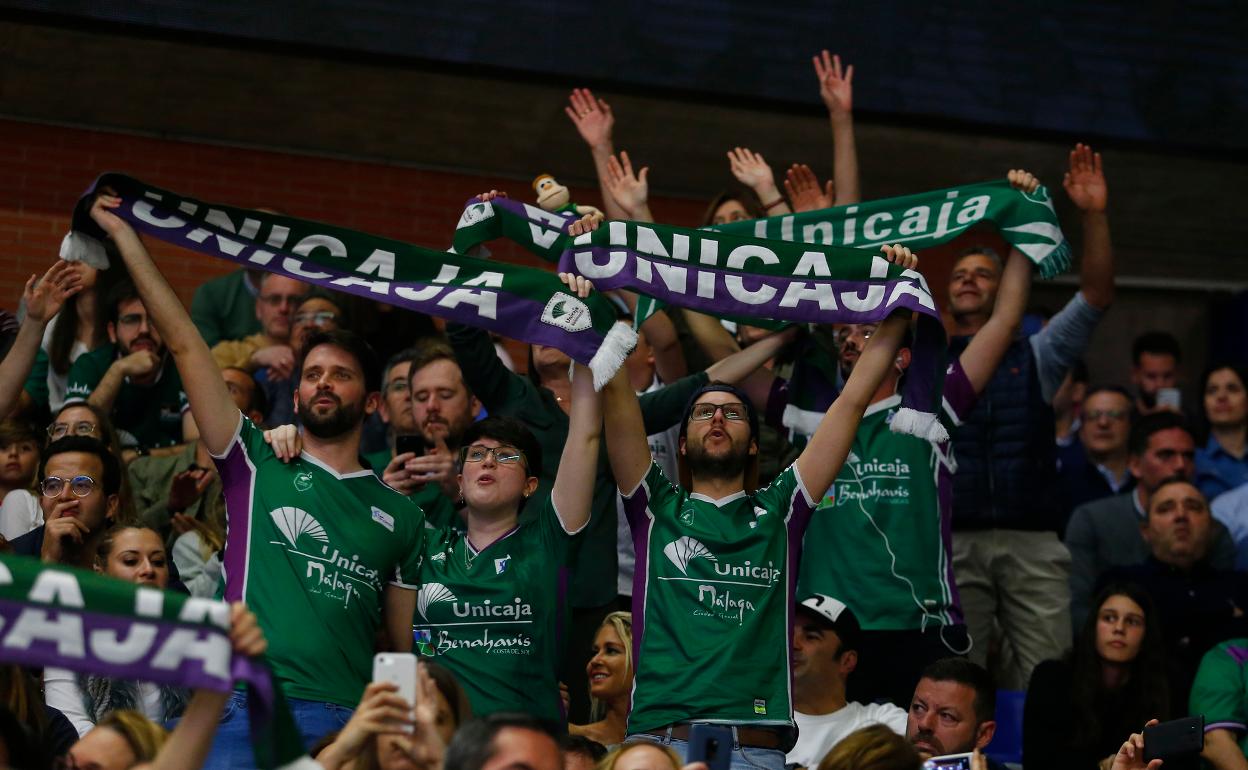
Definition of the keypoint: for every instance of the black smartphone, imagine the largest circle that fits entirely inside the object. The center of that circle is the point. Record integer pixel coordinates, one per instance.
(1175, 739)
(409, 442)
(711, 744)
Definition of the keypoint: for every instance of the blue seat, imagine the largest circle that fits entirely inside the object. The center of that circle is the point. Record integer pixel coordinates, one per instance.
(1007, 742)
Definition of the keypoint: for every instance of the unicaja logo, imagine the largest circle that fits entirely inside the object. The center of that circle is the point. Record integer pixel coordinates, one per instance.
(682, 551)
(294, 522)
(432, 593)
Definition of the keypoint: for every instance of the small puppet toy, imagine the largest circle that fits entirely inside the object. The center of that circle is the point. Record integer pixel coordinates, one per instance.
(555, 198)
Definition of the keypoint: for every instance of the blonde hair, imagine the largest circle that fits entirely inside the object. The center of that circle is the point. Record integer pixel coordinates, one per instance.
(608, 762)
(872, 748)
(105, 548)
(142, 735)
(622, 622)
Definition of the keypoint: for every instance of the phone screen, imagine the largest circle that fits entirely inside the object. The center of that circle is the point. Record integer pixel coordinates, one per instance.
(412, 442)
(951, 762)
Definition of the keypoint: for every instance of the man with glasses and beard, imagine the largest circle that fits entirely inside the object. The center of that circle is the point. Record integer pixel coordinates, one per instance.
(319, 547)
(128, 379)
(713, 591)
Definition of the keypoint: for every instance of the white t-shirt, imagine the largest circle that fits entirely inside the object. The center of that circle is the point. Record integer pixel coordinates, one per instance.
(58, 383)
(19, 514)
(816, 735)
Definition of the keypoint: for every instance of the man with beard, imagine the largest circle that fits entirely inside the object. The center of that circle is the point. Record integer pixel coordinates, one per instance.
(713, 592)
(953, 710)
(425, 395)
(128, 379)
(316, 547)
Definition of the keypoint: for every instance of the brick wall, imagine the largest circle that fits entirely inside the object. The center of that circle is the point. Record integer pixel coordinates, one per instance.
(45, 168)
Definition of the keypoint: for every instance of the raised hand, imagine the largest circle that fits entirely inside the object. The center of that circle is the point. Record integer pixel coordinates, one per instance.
(1085, 181)
(751, 169)
(45, 297)
(1022, 180)
(101, 212)
(591, 116)
(586, 224)
(836, 86)
(280, 359)
(802, 187)
(486, 197)
(245, 634)
(631, 191)
(61, 530)
(1131, 755)
(381, 710)
(900, 255)
(579, 284)
(187, 487)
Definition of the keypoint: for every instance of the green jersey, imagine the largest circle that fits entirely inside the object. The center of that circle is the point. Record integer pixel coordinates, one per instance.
(310, 551)
(495, 616)
(150, 413)
(713, 601)
(1220, 691)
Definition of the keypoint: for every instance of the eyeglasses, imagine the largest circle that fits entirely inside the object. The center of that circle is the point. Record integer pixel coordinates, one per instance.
(81, 428)
(319, 318)
(503, 455)
(274, 300)
(844, 333)
(53, 486)
(705, 410)
(398, 386)
(1111, 414)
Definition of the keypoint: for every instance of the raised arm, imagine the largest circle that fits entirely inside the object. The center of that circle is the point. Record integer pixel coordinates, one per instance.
(573, 491)
(826, 451)
(627, 449)
(751, 170)
(836, 88)
(984, 352)
(630, 191)
(1086, 186)
(44, 299)
(211, 404)
(745, 367)
(594, 121)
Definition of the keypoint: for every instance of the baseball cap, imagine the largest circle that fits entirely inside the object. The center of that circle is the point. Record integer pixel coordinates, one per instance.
(836, 616)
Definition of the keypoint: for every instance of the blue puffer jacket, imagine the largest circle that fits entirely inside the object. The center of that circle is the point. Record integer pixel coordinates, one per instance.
(1006, 452)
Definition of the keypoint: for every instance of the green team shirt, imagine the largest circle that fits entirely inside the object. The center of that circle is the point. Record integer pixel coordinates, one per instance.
(713, 601)
(1220, 691)
(310, 551)
(882, 542)
(150, 413)
(438, 509)
(495, 617)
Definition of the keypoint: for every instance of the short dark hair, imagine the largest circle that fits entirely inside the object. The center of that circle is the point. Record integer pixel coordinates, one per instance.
(122, 291)
(86, 445)
(1157, 343)
(972, 675)
(508, 430)
(1171, 481)
(1107, 388)
(473, 744)
(985, 250)
(579, 744)
(352, 343)
(1144, 427)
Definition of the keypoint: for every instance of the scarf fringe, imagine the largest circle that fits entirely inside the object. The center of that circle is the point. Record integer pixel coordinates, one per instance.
(76, 247)
(924, 425)
(615, 347)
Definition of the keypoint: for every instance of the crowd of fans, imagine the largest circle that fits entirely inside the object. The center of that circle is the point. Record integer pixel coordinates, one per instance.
(588, 571)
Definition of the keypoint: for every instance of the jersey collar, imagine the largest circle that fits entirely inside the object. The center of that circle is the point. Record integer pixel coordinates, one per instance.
(879, 406)
(721, 502)
(318, 463)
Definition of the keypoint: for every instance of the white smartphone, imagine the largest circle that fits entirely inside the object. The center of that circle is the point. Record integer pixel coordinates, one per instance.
(949, 762)
(1170, 397)
(399, 668)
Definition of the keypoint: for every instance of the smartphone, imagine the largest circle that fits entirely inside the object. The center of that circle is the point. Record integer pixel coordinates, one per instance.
(410, 442)
(399, 668)
(1170, 397)
(1175, 739)
(949, 762)
(711, 744)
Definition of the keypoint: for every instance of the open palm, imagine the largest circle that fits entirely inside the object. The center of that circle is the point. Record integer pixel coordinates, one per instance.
(1085, 181)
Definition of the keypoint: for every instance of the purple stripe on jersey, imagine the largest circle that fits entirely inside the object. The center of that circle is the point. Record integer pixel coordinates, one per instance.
(1235, 727)
(1238, 654)
(237, 476)
(639, 523)
(944, 494)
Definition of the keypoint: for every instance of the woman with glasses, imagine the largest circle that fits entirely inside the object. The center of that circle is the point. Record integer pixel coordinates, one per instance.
(19, 460)
(137, 555)
(491, 606)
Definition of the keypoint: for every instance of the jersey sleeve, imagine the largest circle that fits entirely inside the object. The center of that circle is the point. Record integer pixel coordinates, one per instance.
(84, 374)
(1218, 691)
(959, 395)
(787, 496)
(560, 543)
(412, 550)
(655, 493)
